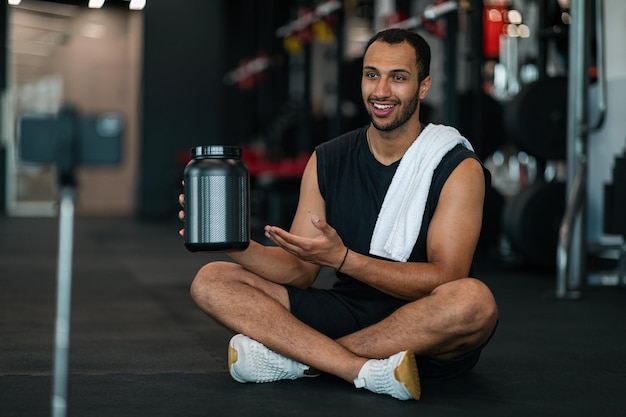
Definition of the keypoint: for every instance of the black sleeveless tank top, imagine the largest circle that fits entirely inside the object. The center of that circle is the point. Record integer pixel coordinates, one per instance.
(353, 184)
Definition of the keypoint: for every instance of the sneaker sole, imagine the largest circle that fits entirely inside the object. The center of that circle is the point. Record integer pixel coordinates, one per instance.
(232, 358)
(406, 373)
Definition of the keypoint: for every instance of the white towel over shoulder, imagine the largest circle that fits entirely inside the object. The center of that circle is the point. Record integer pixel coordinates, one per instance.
(400, 217)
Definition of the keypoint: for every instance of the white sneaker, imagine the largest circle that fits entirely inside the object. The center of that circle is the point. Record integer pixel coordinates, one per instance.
(251, 361)
(396, 376)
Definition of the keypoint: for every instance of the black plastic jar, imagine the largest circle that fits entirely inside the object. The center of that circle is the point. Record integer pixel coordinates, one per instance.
(217, 194)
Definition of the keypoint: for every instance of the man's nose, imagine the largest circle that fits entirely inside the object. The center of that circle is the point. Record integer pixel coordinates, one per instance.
(382, 87)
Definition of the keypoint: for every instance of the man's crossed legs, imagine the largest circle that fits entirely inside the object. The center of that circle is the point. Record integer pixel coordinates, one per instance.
(455, 319)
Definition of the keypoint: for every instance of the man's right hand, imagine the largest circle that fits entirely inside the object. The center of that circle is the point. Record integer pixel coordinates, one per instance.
(181, 213)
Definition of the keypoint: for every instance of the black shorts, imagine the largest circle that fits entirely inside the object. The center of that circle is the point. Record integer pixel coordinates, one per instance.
(335, 315)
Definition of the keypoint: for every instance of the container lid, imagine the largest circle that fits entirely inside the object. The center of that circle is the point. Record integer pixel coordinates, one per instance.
(215, 151)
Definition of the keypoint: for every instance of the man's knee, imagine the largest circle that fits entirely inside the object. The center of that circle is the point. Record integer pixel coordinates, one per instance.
(220, 282)
(484, 308)
(475, 309)
(203, 283)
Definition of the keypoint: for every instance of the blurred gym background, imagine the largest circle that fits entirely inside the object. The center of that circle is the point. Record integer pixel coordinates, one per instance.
(278, 77)
(537, 86)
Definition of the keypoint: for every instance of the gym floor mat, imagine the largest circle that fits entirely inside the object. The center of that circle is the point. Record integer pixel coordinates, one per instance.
(140, 346)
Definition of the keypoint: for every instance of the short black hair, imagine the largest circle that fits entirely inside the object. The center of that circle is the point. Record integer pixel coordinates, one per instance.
(419, 44)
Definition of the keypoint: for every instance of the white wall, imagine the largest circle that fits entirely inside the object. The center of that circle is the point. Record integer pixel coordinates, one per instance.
(102, 74)
(94, 57)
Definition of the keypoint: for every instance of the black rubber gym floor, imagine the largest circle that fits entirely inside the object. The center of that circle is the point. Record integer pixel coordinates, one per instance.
(140, 347)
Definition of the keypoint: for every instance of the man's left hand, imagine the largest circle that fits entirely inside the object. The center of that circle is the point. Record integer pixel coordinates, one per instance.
(327, 249)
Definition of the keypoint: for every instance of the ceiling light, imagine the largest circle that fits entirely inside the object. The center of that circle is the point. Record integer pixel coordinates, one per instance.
(137, 4)
(96, 4)
(14, 2)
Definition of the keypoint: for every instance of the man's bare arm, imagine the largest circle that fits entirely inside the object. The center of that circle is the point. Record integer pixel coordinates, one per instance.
(274, 263)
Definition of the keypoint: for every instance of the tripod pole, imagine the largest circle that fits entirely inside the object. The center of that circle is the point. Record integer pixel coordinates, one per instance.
(64, 296)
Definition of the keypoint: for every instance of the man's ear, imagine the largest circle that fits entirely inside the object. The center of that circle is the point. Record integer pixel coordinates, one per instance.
(424, 87)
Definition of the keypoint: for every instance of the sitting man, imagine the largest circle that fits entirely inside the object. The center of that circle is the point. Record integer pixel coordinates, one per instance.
(395, 207)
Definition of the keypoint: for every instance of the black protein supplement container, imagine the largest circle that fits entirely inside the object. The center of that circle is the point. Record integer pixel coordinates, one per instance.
(217, 194)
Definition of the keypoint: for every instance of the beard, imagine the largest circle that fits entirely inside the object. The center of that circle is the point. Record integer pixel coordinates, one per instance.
(408, 111)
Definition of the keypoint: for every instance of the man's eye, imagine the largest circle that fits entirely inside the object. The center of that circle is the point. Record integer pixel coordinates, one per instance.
(370, 75)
